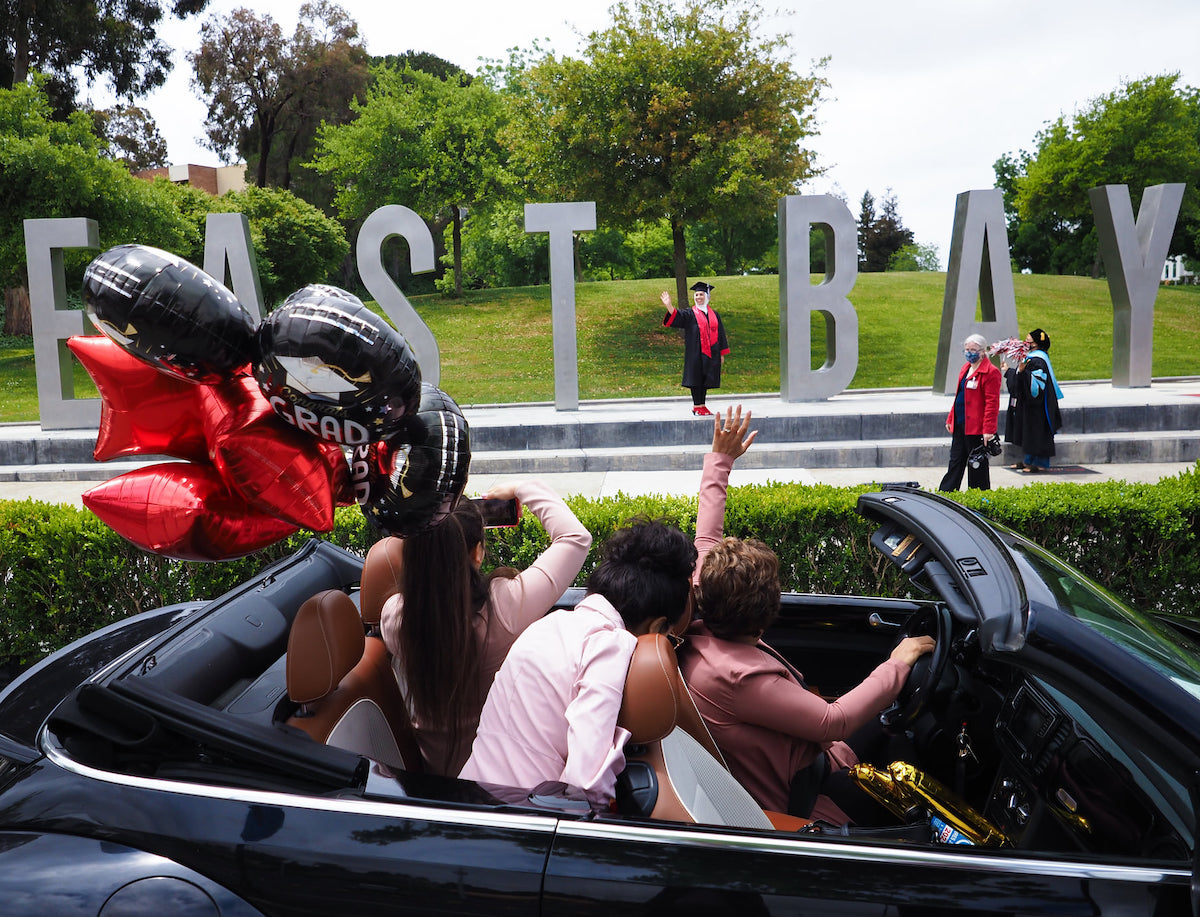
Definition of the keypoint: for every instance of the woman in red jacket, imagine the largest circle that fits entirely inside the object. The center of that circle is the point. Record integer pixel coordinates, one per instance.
(972, 419)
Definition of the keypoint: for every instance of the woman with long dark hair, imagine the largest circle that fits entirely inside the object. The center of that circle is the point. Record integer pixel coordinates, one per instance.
(450, 626)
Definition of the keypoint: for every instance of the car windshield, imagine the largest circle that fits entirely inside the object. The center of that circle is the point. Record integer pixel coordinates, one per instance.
(1139, 633)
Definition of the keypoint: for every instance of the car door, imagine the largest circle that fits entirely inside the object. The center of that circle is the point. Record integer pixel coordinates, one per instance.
(630, 868)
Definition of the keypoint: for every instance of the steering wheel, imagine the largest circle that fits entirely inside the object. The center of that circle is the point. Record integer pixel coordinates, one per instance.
(926, 672)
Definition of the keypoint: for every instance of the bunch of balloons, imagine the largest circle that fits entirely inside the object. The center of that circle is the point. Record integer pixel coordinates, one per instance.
(319, 405)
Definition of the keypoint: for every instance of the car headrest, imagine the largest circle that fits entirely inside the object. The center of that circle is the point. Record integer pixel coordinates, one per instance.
(325, 643)
(654, 689)
(380, 578)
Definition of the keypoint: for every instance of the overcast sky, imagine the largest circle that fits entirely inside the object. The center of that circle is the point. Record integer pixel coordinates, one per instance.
(924, 95)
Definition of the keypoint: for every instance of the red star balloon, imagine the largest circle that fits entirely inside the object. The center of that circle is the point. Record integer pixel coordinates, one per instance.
(143, 411)
(276, 468)
(183, 510)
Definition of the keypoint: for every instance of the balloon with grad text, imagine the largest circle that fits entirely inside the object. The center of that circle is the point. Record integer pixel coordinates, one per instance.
(409, 484)
(332, 368)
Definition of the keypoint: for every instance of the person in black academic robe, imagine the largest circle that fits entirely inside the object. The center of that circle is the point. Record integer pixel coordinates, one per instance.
(704, 344)
(1034, 415)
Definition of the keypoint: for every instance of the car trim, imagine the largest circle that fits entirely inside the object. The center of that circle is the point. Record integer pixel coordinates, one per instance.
(545, 823)
(972, 566)
(793, 845)
(798, 845)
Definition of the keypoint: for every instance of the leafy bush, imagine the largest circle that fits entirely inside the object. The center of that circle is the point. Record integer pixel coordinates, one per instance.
(64, 574)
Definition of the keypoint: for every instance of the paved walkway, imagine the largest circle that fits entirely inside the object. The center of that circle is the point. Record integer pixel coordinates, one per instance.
(634, 483)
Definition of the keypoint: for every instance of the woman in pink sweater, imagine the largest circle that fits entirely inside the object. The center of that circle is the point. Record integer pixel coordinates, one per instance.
(450, 627)
(766, 722)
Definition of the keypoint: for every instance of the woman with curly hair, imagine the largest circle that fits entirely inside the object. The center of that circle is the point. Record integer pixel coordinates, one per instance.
(1035, 394)
(769, 726)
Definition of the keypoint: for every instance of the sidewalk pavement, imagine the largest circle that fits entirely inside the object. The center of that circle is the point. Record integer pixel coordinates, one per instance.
(598, 484)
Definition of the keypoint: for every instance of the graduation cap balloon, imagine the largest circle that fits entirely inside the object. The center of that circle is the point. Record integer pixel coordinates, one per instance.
(409, 484)
(333, 368)
(168, 313)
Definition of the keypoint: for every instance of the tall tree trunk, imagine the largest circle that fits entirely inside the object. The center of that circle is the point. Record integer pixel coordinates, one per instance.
(266, 134)
(20, 30)
(18, 320)
(679, 248)
(457, 237)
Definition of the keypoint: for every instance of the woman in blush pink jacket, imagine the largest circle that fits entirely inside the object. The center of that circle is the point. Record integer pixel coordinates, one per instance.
(450, 627)
(764, 719)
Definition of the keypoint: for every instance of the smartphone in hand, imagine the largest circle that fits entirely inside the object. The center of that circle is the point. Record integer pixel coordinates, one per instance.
(498, 513)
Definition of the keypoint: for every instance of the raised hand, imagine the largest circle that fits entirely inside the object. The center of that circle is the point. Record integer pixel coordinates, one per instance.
(730, 432)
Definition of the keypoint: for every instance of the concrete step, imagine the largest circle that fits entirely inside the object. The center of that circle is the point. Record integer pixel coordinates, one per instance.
(1083, 449)
(857, 429)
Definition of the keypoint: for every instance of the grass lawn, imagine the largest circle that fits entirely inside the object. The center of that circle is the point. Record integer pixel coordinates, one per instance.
(496, 345)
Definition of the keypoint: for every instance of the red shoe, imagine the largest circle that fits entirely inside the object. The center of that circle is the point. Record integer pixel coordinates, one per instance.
(701, 411)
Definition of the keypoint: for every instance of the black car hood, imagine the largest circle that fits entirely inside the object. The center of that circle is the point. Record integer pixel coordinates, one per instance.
(953, 551)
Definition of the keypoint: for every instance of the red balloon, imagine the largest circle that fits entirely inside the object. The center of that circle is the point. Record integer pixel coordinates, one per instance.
(274, 467)
(185, 511)
(143, 411)
(343, 480)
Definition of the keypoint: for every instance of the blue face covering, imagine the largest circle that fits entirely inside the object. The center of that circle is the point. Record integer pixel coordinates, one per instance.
(972, 355)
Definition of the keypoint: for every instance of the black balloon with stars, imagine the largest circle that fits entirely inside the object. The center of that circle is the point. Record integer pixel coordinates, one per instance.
(325, 353)
(169, 313)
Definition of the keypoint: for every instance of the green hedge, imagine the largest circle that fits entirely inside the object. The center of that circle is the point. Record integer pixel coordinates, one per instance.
(63, 573)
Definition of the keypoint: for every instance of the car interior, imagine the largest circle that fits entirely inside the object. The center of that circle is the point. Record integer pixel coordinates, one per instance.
(284, 684)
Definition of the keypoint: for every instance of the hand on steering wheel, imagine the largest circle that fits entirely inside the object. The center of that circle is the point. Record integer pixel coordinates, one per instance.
(926, 671)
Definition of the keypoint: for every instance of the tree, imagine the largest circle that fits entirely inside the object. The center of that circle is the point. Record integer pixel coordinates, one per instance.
(267, 94)
(880, 237)
(866, 218)
(131, 137)
(915, 257)
(680, 113)
(1147, 132)
(113, 39)
(33, 147)
(294, 242)
(427, 143)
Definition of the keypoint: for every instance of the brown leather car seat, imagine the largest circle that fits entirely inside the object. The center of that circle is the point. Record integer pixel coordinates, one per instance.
(380, 579)
(346, 698)
(691, 781)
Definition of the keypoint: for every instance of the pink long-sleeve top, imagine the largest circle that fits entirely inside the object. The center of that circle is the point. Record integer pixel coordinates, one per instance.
(512, 605)
(766, 723)
(552, 712)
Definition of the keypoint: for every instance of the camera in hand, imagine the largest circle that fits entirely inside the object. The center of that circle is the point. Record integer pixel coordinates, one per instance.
(498, 513)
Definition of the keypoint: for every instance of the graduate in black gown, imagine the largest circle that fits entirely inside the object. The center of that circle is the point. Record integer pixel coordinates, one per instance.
(704, 344)
(1034, 415)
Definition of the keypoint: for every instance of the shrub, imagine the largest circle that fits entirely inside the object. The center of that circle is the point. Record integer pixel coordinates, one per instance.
(64, 574)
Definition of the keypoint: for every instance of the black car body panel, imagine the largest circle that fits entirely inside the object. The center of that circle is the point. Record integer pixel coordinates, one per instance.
(155, 759)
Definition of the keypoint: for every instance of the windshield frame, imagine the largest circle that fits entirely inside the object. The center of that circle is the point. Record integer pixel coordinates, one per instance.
(1051, 581)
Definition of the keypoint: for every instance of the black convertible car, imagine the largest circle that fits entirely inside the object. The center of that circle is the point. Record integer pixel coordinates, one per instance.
(246, 756)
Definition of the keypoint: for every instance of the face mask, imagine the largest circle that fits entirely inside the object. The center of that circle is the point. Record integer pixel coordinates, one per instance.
(972, 355)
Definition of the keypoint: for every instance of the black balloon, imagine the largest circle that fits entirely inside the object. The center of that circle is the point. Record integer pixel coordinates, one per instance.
(332, 367)
(410, 483)
(169, 313)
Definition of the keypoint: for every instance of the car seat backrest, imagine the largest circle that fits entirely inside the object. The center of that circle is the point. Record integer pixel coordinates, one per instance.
(344, 685)
(692, 781)
(380, 579)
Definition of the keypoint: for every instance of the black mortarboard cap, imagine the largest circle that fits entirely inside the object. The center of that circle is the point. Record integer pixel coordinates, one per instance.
(702, 286)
